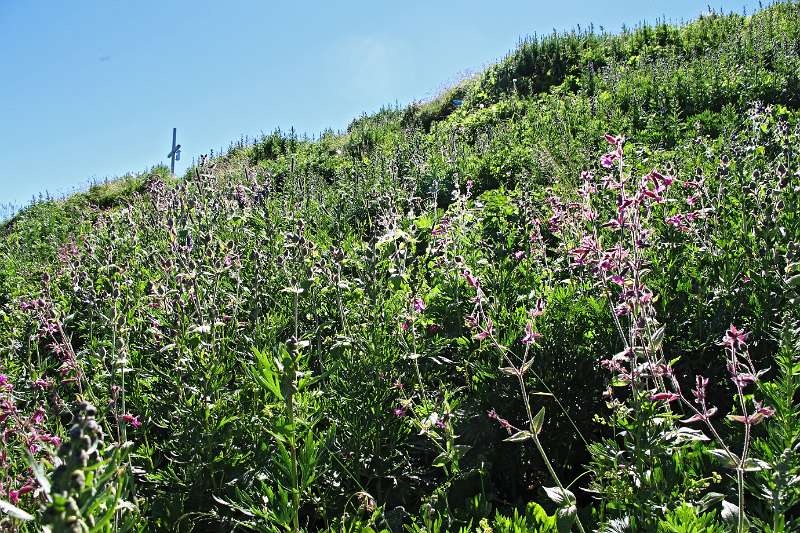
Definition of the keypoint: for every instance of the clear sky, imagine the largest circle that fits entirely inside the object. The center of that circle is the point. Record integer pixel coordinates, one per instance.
(92, 88)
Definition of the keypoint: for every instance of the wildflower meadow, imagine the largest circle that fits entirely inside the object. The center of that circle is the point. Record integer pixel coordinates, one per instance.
(560, 296)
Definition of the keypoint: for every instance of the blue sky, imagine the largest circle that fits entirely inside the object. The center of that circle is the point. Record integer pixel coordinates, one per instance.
(92, 88)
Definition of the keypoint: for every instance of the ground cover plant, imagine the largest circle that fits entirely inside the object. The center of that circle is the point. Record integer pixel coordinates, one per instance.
(561, 296)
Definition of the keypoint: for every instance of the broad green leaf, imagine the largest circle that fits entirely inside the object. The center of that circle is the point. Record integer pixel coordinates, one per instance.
(519, 437)
(730, 514)
(561, 497)
(538, 421)
(710, 500)
(752, 464)
(509, 370)
(14, 511)
(443, 459)
(729, 460)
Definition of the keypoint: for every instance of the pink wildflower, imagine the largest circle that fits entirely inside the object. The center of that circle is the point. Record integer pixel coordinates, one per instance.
(471, 280)
(664, 396)
(130, 419)
(38, 416)
(761, 414)
(700, 416)
(743, 380)
(675, 220)
(699, 391)
(530, 335)
(607, 160)
(505, 424)
(485, 333)
(42, 384)
(734, 338)
(538, 309)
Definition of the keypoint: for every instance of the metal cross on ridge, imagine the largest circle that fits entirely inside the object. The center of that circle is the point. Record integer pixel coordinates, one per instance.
(175, 154)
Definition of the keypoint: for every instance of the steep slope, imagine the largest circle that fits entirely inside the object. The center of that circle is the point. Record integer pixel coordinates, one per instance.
(310, 335)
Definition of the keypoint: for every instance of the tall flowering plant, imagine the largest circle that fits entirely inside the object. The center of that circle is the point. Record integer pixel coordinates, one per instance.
(646, 395)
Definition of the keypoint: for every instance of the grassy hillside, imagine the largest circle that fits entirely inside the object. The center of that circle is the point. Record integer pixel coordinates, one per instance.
(560, 296)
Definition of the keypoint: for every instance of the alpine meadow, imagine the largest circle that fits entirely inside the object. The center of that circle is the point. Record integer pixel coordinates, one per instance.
(562, 295)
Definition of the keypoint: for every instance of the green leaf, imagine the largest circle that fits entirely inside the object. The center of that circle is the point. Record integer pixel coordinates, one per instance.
(730, 514)
(38, 473)
(442, 460)
(684, 434)
(710, 500)
(752, 464)
(14, 511)
(565, 517)
(538, 421)
(292, 290)
(519, 437)
(729, 460)
(265, 375)
(561, 497)
(509, 370)
(657, 339)
(618, 525)
(527, 366)
(460, 449)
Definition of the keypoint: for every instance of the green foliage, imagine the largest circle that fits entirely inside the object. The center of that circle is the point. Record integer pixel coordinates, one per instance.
(89, 486)
(423, 266)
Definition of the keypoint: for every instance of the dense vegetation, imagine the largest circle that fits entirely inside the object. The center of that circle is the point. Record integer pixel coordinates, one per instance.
(562, 295)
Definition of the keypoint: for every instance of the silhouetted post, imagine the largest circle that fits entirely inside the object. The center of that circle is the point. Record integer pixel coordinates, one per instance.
(175, 154)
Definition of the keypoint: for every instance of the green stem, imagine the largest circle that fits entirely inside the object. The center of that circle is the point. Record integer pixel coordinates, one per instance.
(539, 446)
(293, 453)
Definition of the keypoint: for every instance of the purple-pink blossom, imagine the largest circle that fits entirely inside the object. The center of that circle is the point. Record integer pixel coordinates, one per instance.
(38, 416)
(700, 416)
(757, 417)
(743, 379)
(664, 397)
(130, 419)
(607, 160)
(530, 335)
(538, 308)
(734, 338)
(471, 279)
(486, 332)
(505, 424)
(699, 391)
(41, 383)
